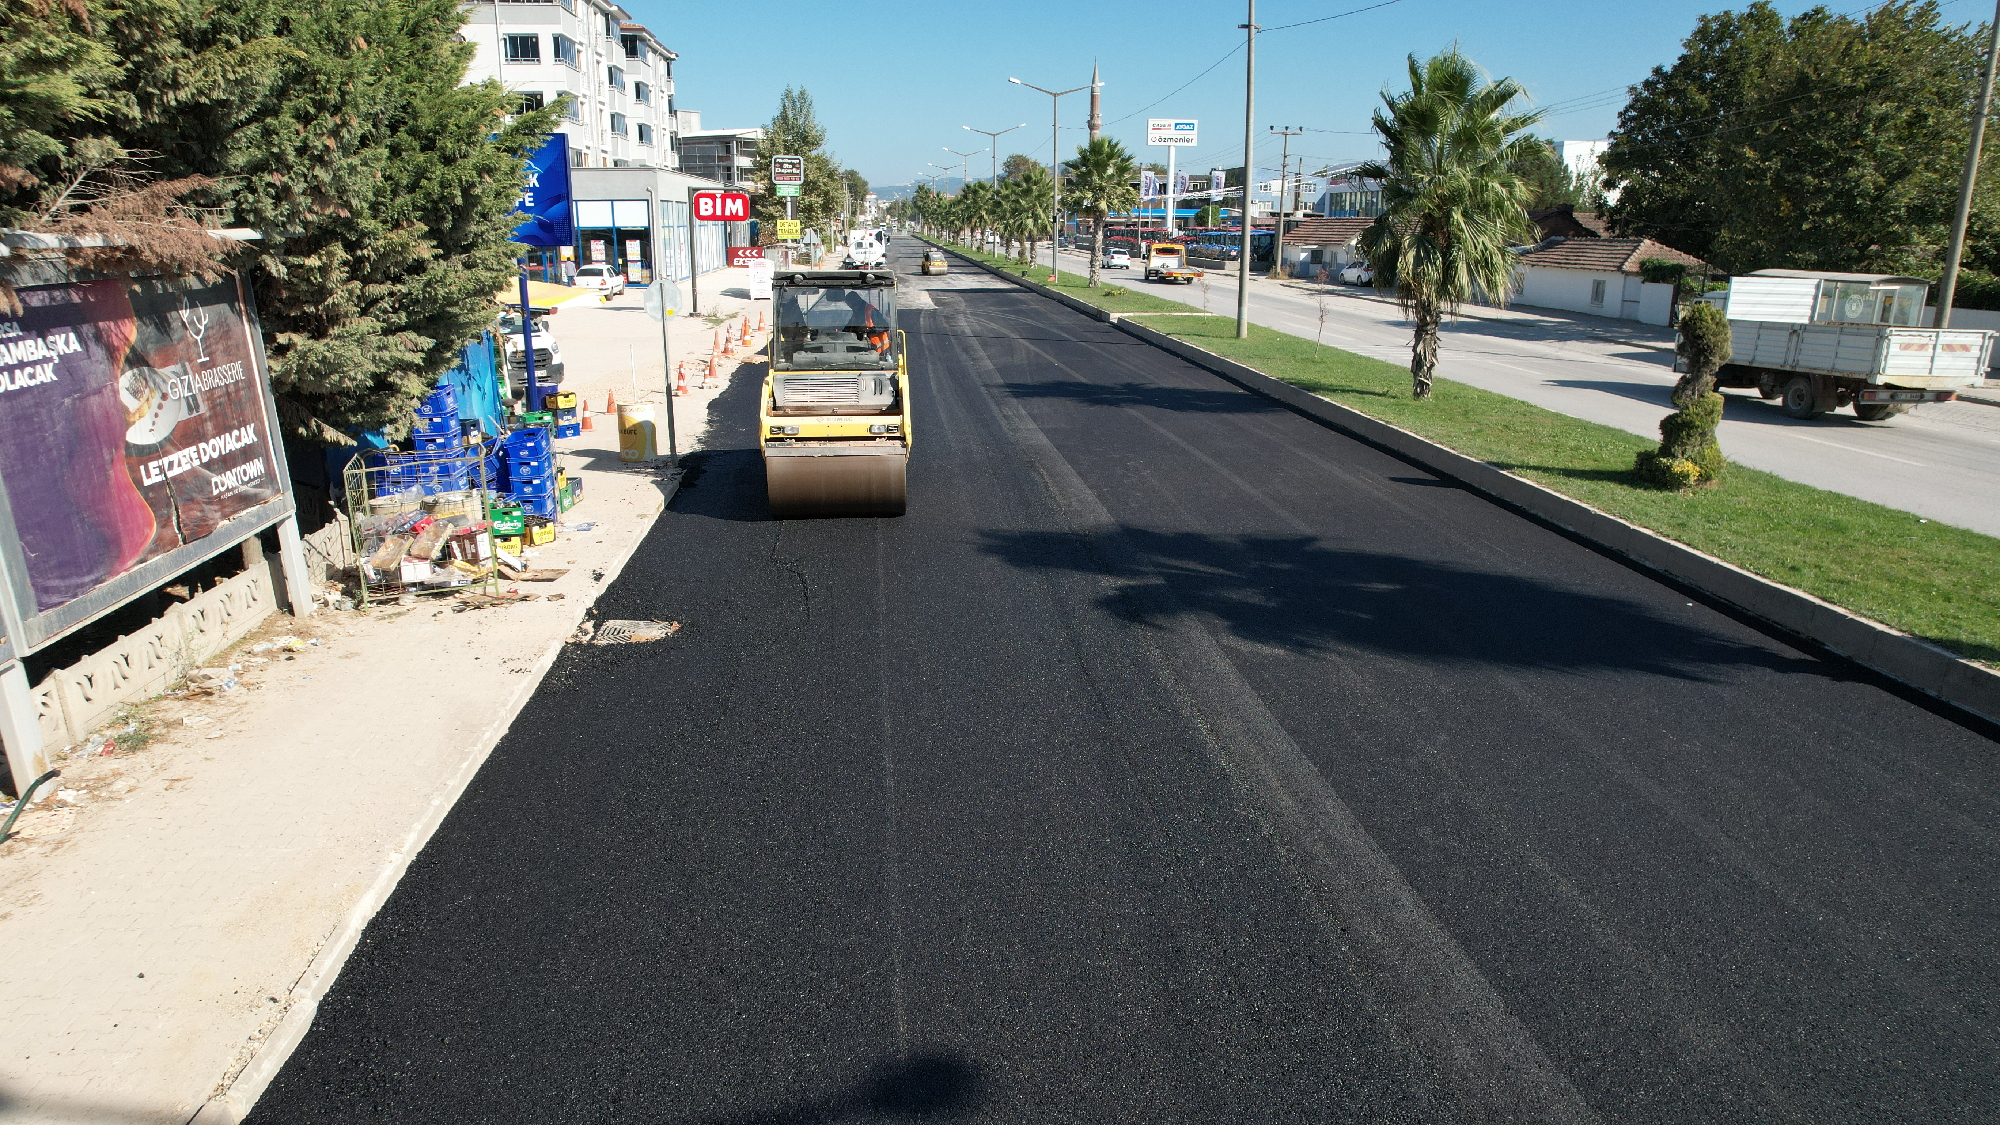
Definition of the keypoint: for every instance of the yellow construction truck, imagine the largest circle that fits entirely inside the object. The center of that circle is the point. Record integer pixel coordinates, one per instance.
(1167, 261)
(835, 419)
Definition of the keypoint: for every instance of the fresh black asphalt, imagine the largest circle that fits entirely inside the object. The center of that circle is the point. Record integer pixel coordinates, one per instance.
(1174, 760)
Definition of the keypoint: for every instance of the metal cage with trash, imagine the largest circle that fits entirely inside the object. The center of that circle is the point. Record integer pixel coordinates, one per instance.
(423, 521)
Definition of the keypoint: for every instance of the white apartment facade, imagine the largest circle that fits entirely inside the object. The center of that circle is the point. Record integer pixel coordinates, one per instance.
(619, 76)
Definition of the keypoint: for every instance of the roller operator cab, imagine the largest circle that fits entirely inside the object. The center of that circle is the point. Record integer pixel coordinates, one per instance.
(835, 421)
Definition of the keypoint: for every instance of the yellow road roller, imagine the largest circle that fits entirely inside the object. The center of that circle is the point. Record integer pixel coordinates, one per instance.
(835, 420)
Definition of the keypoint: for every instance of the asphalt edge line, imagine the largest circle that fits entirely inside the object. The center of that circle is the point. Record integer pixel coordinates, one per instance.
(312, 986)
(1908, 660)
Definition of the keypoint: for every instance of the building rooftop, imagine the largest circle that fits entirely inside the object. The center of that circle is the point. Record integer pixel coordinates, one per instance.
(1621, 255)
(1327, 232)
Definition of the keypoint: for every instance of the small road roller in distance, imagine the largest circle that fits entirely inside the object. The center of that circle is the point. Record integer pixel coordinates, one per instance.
(835, 420)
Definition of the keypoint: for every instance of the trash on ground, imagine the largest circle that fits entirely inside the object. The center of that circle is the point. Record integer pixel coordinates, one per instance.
(531, 575)
(470, 600)
(625, 632)
(581, 526)
(196, 721)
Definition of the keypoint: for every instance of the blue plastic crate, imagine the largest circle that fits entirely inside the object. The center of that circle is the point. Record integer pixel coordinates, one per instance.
(531, 489)
(538, 505)
(433, 443)
(426, 426)
(443, 401)
(572, 430)
(530, 468)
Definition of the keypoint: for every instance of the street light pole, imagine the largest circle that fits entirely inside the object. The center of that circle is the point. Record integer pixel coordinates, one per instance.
(1953, 253)
(1249, 170)
(1055, 161)
(964, 173)
(995, 138)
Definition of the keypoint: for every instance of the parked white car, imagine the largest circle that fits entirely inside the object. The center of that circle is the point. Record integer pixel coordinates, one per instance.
(601, 277)
(1117, 260)
(1358, 273)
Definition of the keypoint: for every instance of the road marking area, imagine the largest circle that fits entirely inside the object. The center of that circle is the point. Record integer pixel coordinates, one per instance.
(1856, 449)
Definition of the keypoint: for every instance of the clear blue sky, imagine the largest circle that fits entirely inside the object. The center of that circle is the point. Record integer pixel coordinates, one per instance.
(918, 70)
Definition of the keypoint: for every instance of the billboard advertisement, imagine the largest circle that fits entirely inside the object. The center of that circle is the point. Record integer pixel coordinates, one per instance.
(545, 197)
(135, 421)
(1170, 131)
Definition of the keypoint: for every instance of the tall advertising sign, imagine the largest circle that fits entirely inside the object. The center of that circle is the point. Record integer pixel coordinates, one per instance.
(136, 422)
(545, 197)
(1172, 132)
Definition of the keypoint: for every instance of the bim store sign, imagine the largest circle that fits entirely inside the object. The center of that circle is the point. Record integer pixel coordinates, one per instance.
(545, 198)
(137, 438)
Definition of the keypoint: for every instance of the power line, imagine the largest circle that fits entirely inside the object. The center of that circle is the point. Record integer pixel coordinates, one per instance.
(1323, 19)
(1233, 50)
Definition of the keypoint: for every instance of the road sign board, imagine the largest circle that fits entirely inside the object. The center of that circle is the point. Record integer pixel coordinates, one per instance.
(1170, 131)
(788, 169)
(786, 191)
(744, 255)
(722, 206)
(788, 230)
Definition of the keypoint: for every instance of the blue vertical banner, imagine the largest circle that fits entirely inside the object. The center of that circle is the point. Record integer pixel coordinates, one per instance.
(545, 197)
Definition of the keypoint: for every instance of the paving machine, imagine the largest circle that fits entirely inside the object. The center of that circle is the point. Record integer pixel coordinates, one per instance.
(835, 420)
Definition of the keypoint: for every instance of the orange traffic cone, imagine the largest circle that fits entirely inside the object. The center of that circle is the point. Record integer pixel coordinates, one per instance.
(610, 403)
(681, 381)
(586, 420)
(710, 380)
(746, 332)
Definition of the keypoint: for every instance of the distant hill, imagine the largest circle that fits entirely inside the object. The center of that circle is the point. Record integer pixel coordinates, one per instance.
(887, 192)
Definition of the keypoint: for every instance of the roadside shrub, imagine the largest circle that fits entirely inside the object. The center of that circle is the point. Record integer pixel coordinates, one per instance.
(1689, 454)
(1114, 291)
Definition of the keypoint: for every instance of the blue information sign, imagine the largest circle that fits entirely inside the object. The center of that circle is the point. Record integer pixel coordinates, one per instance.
(545, 197)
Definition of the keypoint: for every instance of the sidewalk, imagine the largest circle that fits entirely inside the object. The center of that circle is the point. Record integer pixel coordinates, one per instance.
(190, 901)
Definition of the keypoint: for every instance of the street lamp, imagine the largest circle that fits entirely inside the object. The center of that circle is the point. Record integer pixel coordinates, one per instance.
(995, 137)
(1250, 29)
(963, 175)
(1055, 161)
(944, 171)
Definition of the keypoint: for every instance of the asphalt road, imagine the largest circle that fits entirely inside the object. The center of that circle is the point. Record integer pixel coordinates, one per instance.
(1941, 461)
(1174, 760)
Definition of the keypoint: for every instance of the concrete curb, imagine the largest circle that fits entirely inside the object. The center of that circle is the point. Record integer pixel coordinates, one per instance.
(1871, 644)
(303, 1003)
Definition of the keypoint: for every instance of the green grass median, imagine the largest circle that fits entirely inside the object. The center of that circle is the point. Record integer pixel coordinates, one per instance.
(1115, 295)
(1924, 577)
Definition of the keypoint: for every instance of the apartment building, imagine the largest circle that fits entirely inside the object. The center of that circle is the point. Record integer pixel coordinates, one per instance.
(619, 76)
(728, 155)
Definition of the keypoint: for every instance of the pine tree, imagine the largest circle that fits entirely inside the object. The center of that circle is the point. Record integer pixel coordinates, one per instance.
(795, 131)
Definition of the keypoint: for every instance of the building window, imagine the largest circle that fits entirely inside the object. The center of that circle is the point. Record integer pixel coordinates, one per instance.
(1597, 294)
(635, 47)
(645, 133)
(566, 52)
(524, 48)
(528, 101)
(642, 93)
(610, 26)
(615, 76)
(575, 106)
(618, 123)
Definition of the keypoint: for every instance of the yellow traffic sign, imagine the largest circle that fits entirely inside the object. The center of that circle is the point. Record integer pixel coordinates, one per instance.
(788, 230)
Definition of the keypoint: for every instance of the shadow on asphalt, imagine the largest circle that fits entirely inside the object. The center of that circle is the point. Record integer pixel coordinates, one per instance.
(1298, 593)
(926, 1085)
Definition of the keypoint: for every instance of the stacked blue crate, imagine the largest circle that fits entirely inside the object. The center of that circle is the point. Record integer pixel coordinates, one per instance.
(530, 471)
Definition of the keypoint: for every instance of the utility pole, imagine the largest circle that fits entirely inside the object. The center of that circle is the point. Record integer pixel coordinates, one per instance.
(1284, 169)
(1249, 169)
(995, 138)
(1960, 218)
(1055, 159)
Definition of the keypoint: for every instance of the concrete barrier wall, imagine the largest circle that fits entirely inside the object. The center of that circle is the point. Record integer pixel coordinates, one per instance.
(1906, 659)
(71, 702)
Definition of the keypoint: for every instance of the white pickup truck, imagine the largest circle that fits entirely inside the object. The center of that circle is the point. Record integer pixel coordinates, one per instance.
(1821, 341)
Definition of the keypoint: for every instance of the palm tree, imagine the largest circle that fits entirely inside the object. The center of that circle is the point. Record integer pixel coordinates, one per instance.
(1100, 182)
(1452, 207)
(977, 200)
(1024, 209)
